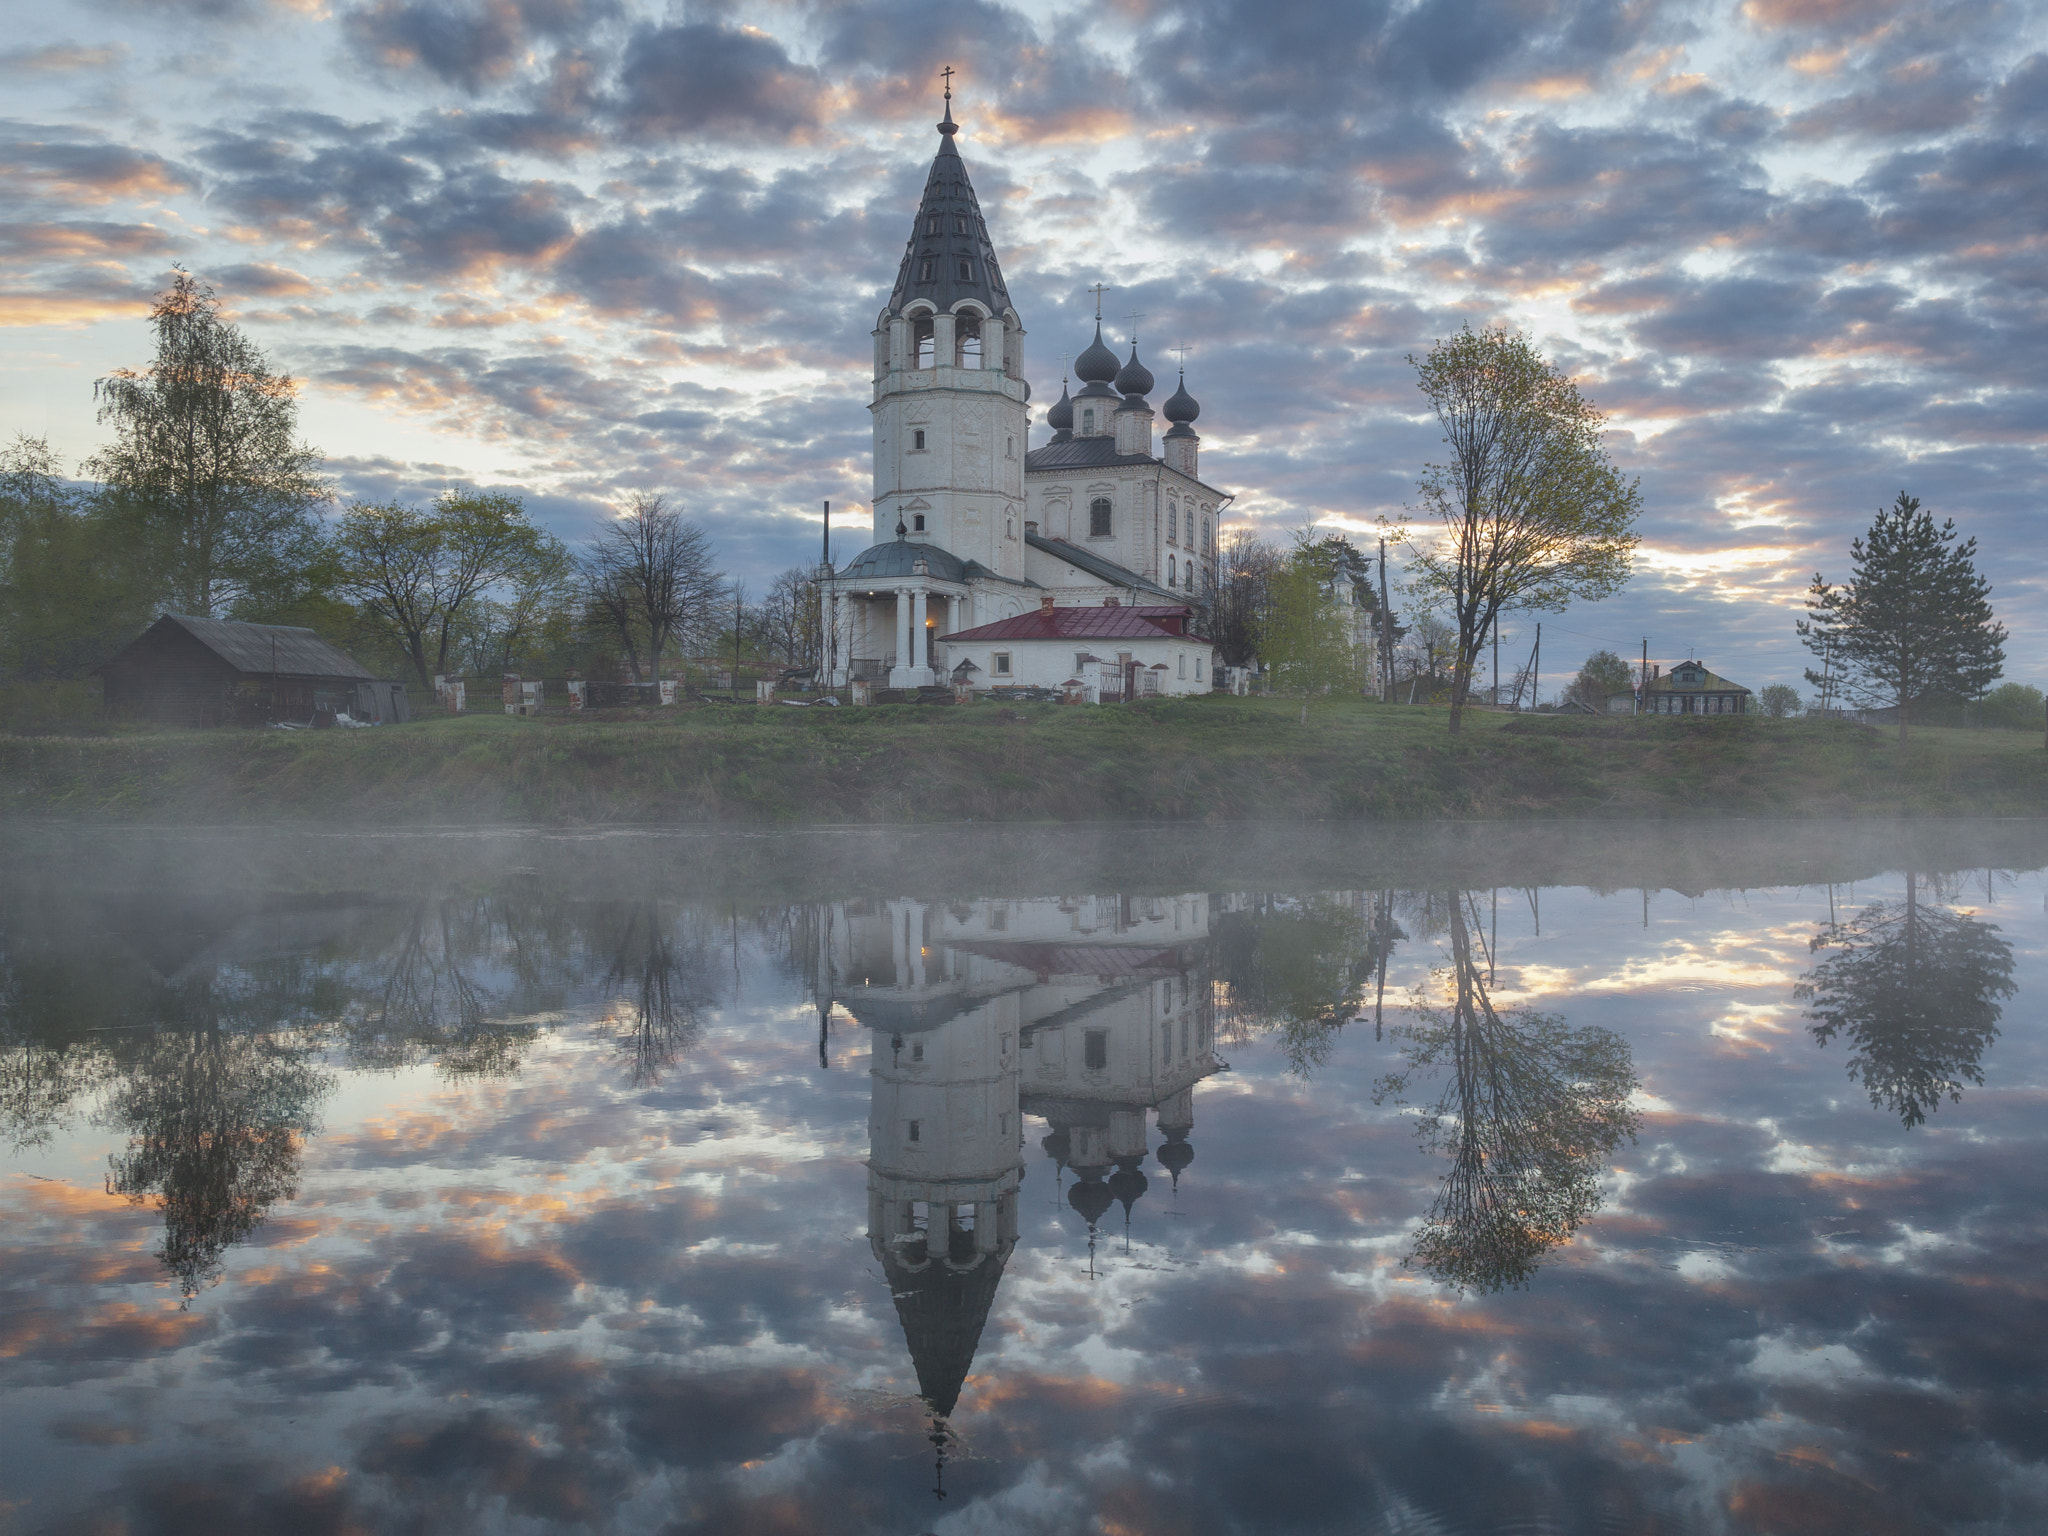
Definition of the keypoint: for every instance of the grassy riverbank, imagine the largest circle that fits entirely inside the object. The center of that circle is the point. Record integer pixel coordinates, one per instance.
(1216, 758)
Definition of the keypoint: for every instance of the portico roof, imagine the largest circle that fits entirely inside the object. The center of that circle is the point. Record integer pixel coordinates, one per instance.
(897, 557)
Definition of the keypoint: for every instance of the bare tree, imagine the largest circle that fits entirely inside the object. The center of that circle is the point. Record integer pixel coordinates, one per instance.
(790, 617)
(1239, 605)
(649, 577)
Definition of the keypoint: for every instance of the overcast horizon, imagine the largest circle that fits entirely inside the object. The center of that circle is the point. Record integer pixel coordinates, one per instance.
(574, 248)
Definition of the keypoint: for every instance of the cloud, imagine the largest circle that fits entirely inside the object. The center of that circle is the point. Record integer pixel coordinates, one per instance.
(60, 58)
(700, 78)
(473, 45)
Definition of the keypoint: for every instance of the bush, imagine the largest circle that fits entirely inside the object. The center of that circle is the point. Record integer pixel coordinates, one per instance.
(1779, 701)
(2012, 707)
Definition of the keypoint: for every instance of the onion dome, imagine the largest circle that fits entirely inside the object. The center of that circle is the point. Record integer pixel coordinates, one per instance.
(1176, 1154)
(1095, 367)
(1057, 1145)
(1060, 415)
(1134, 379)
(1091, 1197)
(1181, 407)
(1127, 1185)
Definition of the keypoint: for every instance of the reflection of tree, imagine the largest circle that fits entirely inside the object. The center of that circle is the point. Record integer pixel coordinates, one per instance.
(666, 984)
(215, 1124)
(1301, 969)
(1529, 1114)
(1916, 990)
(431, 999)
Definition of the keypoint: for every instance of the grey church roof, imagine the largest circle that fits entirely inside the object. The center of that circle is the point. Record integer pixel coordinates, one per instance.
(948, 238)
(1082, 453)
(1096, 565)
(896, 557)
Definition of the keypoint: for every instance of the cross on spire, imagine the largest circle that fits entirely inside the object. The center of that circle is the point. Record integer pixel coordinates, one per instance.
(1134, 319)
(948, 73)
(1181, 352)
(1099, 290)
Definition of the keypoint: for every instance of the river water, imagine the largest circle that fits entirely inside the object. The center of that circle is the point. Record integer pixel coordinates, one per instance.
(1463, 1180)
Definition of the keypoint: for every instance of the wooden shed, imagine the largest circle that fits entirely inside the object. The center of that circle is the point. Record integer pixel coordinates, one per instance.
(186, 671)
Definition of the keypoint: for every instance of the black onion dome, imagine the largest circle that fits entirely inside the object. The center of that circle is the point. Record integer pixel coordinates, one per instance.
(1181, 407)
(1097, 365)
(1060, 414)
(1134, 378)
(1176, 1155)
(1128, 1186)
(1091, 1197)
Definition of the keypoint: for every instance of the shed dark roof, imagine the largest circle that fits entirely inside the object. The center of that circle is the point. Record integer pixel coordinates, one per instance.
(1086, 623)
(286, 649)
(1098, 565)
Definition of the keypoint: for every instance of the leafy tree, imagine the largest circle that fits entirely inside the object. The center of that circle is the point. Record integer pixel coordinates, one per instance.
(1779, 701)
(2013, 706)
(1531, 513)
(1916, 990)
(72, 589)
(649, 577)
(1308, 641)
(1603, 675)
(1529, 1114)
(206, 465)
(1913, 622)
(420, 572)
(1300, 969)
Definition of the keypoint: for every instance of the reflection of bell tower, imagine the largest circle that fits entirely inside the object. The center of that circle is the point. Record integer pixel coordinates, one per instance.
(943, 1170)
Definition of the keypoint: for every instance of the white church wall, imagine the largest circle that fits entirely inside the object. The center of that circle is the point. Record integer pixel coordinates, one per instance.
(1176, 666)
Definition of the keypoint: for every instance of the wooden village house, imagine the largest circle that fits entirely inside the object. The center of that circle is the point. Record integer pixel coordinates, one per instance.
(1687, 689)
(184, 671)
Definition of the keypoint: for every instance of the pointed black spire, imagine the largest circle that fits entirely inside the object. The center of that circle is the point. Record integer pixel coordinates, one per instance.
(949, 256)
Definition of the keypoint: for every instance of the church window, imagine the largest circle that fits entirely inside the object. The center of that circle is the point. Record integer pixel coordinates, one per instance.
(924, 270)
(1183, 668)
(960, 224)
(1011, 449)
(1088, 419)
(1205, 535)
(1095, 1050)
(917, 441)
(1172, 523)
(1002, 661)
(1198, 669)
(917, 1051)
(931, 225)
(924, 340)
(1098, 518)
(1172, 580)
(966, 270)
(917, 522)
(915, 1130)
(967, 342)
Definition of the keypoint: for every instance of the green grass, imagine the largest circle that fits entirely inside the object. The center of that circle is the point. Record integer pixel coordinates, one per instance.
(1214, 758)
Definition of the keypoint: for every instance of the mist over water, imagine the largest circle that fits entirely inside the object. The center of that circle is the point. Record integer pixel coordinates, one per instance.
(1465, 1179)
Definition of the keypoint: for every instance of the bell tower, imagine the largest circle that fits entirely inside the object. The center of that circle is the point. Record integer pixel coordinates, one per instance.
(950, 399)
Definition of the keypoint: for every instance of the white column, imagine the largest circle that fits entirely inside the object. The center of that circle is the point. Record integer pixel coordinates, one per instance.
(902, 629)
(921, 654)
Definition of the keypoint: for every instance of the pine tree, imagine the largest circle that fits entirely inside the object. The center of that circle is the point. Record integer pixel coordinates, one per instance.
(1914, 621)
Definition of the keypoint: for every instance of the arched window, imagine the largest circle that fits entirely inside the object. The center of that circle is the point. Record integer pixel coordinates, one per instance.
(924, 339)
(924, 270)
(1088, 419)
(966, 342)
(931, 225)
(1172, 523)
(1172, 576)
(1098, 518)
(966, 270)
(1205, 535)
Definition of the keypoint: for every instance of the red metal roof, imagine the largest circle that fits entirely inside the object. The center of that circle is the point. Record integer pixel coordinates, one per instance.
(1159, 623)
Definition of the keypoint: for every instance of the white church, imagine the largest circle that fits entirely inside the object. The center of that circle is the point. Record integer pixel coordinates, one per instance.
(995, 563)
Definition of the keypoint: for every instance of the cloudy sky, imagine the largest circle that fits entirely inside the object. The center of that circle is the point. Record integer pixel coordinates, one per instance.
(574, 247)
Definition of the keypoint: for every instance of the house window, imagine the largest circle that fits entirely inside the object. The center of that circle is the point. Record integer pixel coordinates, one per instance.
(1095, 1050)
(917, 523)
(1172, 523)
(1080, 661)
(1198, 669)
(1183, 667)
(1098, 518)
(1002, 660)
(917, 441)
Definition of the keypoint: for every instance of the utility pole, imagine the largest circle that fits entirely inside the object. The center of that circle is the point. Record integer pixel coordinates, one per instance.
(735, 647)
(1386, 627)
(1496, 675)
(1643, 682)
(1536, 671)
(829, 648)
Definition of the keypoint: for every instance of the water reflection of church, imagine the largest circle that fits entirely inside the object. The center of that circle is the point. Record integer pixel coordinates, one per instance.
(1085, 1012)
